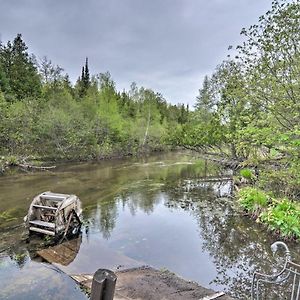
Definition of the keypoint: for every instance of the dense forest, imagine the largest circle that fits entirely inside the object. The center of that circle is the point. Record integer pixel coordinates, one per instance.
(45, 117)
(247, 114)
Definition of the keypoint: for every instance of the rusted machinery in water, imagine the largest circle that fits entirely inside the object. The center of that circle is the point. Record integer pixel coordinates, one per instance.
(54, 214)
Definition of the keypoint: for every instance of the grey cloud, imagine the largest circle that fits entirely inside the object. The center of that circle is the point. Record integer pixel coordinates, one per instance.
(167, 45)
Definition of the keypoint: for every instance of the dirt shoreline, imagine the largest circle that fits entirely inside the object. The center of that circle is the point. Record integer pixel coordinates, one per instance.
(147, 283)
(134, 279)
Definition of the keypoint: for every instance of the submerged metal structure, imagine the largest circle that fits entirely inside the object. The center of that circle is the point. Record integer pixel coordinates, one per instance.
(289, 277)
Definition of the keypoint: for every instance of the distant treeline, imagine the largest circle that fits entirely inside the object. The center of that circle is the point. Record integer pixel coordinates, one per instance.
(44, 116)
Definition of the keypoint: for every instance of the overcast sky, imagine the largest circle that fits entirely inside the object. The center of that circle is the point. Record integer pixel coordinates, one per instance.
(166, 45)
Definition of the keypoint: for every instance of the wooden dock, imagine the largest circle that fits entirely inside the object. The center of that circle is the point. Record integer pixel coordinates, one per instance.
(136, 282)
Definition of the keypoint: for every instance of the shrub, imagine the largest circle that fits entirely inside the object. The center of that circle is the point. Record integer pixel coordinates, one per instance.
(247, 174)
(284, 217)
(253, 200)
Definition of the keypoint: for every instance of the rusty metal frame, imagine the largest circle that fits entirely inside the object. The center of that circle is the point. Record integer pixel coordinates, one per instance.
(290, 270)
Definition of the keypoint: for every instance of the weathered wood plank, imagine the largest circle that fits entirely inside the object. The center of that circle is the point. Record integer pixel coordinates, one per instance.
(53, 197)
(62, 254)
(44, 207)
(40, 230)
(214, 296)
(42, 223)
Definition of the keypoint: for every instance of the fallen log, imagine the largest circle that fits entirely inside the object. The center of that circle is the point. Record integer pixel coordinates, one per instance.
(33, 167)
(228, 163)
(236, 163)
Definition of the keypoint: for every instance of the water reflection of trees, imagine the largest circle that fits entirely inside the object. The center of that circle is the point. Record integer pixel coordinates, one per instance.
(140, 197)
(101, 182)
(144, 197)
(103, 218)
(141, 193)
(236, 245)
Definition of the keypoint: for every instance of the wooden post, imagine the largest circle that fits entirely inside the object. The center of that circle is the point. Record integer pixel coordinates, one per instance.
(103, 285)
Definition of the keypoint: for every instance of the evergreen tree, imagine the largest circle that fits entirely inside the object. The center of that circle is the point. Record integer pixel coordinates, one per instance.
(20, 69)
(82, 74)
(67, 84)
(86, 78)
(83, 83)
(4, 84)
(183, 116)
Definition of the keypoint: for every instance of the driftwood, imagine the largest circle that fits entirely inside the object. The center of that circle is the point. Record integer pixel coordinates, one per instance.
(20, 162)
(33, 167)
(224, 161)
(235, 163)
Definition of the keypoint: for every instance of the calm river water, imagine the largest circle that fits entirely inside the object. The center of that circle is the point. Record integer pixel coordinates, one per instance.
(169, 211)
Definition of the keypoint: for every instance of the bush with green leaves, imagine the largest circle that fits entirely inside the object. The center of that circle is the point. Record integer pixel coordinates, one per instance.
(283, 217)
(247, 174)
(253, 200)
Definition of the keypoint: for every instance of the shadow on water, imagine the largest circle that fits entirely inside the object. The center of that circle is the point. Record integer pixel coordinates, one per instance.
(170, 211)
(21, 277)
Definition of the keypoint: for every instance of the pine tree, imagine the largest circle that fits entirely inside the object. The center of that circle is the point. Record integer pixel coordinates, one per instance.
(183, 116)
(86, 79)
(82, 74)
(4, 84)
(20, 69)
(84, 82)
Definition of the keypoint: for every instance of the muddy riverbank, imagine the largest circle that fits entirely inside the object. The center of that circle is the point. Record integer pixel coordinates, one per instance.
(150, 284)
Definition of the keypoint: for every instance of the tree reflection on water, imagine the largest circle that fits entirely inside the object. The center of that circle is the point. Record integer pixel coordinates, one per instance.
(132, 207)
(236, 245)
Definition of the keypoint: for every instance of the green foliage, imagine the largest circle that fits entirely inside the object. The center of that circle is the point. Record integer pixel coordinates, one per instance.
(91, 120)
(280, 216)
(7, 216)
(271, 58)
(20, 70)
(285, 181)
(248, 110)
(252, 199)
(247, 174)
(2, 100)
(284, 217)
(12, 160)
(4, 84)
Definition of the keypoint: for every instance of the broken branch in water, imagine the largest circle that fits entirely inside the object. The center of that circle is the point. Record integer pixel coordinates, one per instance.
(33, 167)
